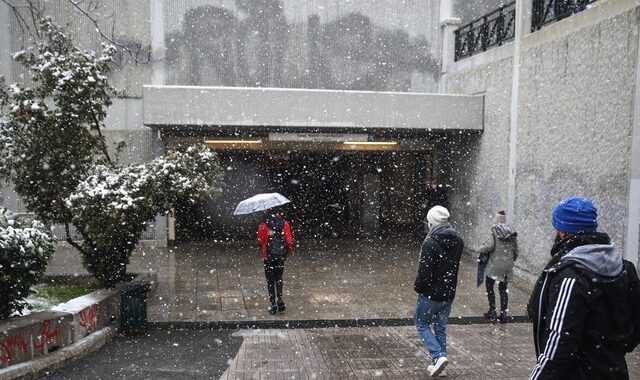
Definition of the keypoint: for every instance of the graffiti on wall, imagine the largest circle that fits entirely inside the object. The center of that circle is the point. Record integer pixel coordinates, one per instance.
(15, 343)
(88, 318)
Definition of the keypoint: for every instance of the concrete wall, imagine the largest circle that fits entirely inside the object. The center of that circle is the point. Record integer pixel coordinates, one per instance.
(327, 109)
(324, 44)
(575, 118)
(574, 122)
(38, 334)
(126, 23)
(477, 167)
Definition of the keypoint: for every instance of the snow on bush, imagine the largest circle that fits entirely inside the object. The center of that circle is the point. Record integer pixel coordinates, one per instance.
(24, 253)
(114, 206)
(57, 158)
(50, 132)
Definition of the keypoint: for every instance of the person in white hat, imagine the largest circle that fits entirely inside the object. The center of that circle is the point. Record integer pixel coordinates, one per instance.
(436, 285)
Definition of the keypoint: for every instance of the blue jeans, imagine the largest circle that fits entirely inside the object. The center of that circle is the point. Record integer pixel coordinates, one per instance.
(428, 312)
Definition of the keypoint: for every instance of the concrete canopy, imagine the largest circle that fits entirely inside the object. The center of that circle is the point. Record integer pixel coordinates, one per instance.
(173, 106)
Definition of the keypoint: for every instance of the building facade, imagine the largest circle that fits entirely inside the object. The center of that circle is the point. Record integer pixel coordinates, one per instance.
(365, 113)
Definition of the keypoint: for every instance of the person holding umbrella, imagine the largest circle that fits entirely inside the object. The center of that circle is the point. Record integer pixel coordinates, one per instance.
(275, 238)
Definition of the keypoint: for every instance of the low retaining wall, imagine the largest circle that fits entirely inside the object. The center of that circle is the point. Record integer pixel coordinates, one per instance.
(35, 335)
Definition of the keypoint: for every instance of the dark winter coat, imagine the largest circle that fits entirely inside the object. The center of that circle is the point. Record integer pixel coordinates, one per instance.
(582, 315)
(438, 265)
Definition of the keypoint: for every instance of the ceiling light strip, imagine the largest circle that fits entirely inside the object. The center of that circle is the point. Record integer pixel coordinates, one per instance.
(233, 141)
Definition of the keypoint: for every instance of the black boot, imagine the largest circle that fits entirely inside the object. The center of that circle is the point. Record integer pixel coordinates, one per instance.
(504, 302)
(491, 315)
(281, 306)
(273, 307)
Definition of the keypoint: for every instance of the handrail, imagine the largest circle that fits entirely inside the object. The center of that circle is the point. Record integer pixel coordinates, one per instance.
(492, 29)
(547, 11)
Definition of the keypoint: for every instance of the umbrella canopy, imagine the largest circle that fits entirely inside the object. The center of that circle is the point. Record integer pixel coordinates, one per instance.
(260, 202)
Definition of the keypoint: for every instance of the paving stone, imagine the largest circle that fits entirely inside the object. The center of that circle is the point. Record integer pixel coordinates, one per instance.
(475, 352)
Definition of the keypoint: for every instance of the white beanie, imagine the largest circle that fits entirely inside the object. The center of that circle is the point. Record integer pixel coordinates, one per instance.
(437, 215)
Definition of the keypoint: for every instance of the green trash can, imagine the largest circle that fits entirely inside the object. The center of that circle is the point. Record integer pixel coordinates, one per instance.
(133, 306)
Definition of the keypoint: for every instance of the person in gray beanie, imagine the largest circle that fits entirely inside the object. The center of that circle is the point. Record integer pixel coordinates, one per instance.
(502, 250)
(583, 303)
(435, 284)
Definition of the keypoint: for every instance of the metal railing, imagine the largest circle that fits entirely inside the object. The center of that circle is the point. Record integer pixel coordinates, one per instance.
(492, 29)
(547, 11)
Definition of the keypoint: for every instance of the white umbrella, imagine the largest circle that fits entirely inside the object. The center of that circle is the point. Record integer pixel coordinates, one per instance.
(260, 202)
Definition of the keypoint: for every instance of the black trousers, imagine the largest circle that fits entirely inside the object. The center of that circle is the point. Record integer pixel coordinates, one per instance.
(273, 272)
(504, 296)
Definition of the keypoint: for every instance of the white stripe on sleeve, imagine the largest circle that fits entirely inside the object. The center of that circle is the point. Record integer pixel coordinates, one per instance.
(555, 326)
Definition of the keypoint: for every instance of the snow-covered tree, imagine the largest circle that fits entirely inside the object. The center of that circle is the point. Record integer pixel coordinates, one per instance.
(24, 253)
(52, 129)
(56, 156)
(112, 207)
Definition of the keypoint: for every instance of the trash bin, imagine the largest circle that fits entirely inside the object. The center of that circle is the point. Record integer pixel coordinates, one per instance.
(133, 306)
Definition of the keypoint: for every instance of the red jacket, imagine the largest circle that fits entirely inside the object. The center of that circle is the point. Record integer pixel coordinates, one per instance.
(263, 237)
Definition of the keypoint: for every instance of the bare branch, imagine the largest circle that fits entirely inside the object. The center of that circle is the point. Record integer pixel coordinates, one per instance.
(111, 40)
(36, 15)
(22, 22)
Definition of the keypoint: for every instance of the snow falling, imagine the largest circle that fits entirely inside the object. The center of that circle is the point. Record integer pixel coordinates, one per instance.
(314, 189)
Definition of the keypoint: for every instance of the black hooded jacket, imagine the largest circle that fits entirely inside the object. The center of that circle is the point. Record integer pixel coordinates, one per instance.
(582, 315)
(439, 262)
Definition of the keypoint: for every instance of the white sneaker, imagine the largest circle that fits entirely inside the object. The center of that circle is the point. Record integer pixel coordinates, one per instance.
(438, 366)
(442, 374)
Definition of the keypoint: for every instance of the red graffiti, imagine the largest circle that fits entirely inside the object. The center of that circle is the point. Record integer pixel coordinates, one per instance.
(7, 345)
(88, 318)
(45, 336)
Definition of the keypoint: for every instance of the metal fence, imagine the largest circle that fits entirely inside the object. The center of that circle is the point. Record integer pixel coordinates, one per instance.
(492, 29)
(547, 11)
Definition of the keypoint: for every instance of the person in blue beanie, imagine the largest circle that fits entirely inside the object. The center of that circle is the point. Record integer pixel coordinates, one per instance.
(581, 305)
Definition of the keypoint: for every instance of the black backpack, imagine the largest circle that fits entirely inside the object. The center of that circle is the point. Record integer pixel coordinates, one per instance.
(276, 245)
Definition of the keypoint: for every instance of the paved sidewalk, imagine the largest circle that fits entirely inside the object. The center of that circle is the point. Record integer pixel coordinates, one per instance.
(476, 352)
(334, 280)
(324, 280)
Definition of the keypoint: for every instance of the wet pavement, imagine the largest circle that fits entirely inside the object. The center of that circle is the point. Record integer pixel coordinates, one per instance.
(384, 353)
(158, 355)
(476, 352)
(323, 280)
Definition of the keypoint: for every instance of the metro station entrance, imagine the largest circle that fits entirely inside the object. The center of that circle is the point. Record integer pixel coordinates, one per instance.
(354, 163)
(334, 194)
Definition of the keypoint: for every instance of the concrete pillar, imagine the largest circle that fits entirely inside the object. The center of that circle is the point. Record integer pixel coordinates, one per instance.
(523, 27)
(8, 198)
(632, 243)
(157, 41)
(5, 43)
(448, 24)
(163, 224)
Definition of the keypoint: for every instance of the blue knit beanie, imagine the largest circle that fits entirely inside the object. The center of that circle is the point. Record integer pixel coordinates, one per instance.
(575, 214)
